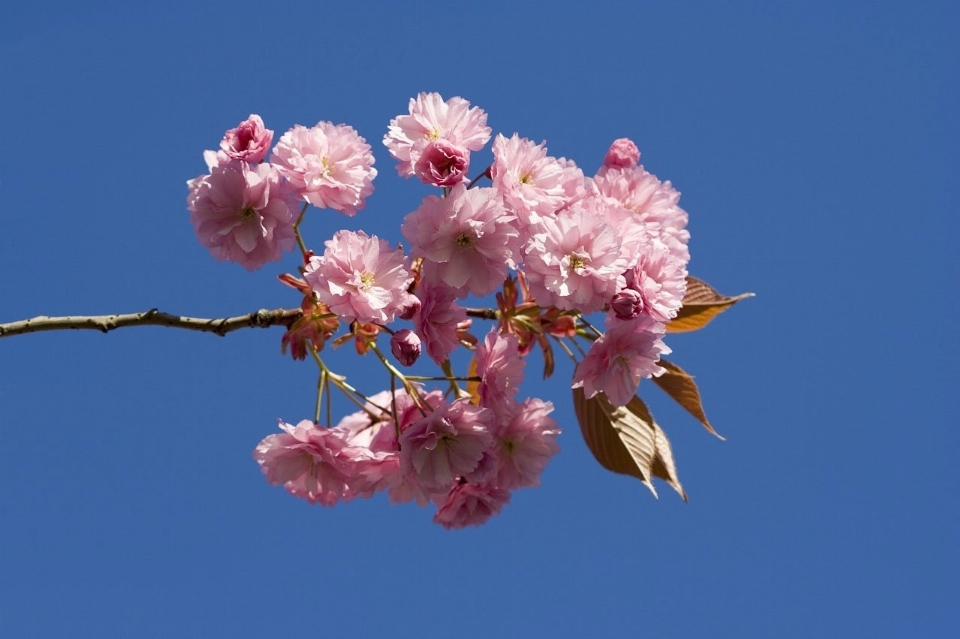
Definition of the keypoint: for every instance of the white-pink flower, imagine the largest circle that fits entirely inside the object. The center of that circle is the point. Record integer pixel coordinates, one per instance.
(243, 214)
(360, 277)
(625, 353)
(659, 279)
(437, 318)
(431, 119)
(330, 166)
(467, 240)
(471, 505)
(249, 142)
(442, 164)
(500, 369)
(313, 463)
(447, 443)
(575, 260)
(525, 444)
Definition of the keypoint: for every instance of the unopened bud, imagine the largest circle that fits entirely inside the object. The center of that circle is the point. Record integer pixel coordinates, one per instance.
(405, 346)
(627, 304)
(623, 153)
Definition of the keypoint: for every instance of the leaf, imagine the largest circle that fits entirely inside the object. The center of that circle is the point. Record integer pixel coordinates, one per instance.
(679, 385)
(473, 387)
(626, 439)
(701, 303)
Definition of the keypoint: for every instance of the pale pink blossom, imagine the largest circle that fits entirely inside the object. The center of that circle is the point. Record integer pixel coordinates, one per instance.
(313, 463)
(249, 142)
(659, 279)
(531, 183)
(405, 346)
(360, 277)
(575, 261)
(655, 203)
(431, 119)
(437, 319)
(446, 443)
(330, 166)
(243, 214)
(467, 240)
(616, 362)
(471, 505)
(525, 444)
(500, 369)
(442, 164)
(622, 153)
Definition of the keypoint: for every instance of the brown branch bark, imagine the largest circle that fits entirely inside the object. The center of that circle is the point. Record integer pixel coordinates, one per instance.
(106, 323)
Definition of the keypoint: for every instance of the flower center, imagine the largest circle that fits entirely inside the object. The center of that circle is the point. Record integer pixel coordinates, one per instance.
(464, 240)
(366, 280)
(247, 213)
(577, 263)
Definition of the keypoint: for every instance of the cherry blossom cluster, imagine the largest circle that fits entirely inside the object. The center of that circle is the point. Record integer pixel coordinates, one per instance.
(552, 244)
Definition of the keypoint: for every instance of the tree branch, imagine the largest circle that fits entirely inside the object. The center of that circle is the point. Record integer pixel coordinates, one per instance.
(106, 323)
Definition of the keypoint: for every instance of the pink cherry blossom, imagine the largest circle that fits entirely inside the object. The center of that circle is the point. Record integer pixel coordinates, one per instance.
(330, 166)
(531, 183)
(360, 277)
(500, 369)
(659, 279)
(622, 153)
(616, 362)
(405, 346)
(431, 119)
(525, 444)
(242, 213)
(446, 443)
(249, 142)
(437, 319)
(471, 505)
(466, 238)
(442, 164)
(575, 261)
(312, 463)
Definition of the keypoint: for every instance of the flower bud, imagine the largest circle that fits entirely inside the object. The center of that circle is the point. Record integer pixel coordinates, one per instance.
(405, 346)
(249, 142)
(627, 304)
(623, 153)
(442, 164)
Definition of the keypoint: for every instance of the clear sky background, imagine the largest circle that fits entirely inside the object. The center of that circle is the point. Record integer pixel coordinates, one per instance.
(815, 145)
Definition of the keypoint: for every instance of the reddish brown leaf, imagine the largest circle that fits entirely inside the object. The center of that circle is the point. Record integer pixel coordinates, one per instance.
(701, 303)
(679, 385)
(626, 439)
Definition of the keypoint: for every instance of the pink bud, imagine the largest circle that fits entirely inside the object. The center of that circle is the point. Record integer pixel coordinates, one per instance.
(442, 164)
(405, 346)
(249, 142)
(627, 304)
(622, 153)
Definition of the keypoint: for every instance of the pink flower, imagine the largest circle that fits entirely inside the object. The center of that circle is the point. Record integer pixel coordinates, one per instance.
(575, 261)
(466, 238)
(616, 362)
(242, 214)
(471, 505)
(431, 119)
(445, 444)
(525, 445)
(437, 319)
(312, 463)
(249, 142)
(500, 369)
(442, 164)
(659, 281)
(622, 153)
(360, 277)
(405, 346)
(330, 166)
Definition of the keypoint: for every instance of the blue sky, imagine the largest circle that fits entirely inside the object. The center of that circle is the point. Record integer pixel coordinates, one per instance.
(815, 147)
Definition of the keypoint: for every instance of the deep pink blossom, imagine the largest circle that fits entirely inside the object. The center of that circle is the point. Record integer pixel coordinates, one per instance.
(625, 353)
(467, 240)
(431, 119)
(442, 164)
(446, 443)
(360, 277)
(243, 214)
(405, 346)
(622, 153)
(313, 463)
(249, 142)
(437, 319)
(471, 505)
(575, 261)
(330, 166)
(500, 369)
(525, 444)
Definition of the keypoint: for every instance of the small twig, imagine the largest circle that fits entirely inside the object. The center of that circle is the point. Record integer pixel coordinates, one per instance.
(106, 323)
